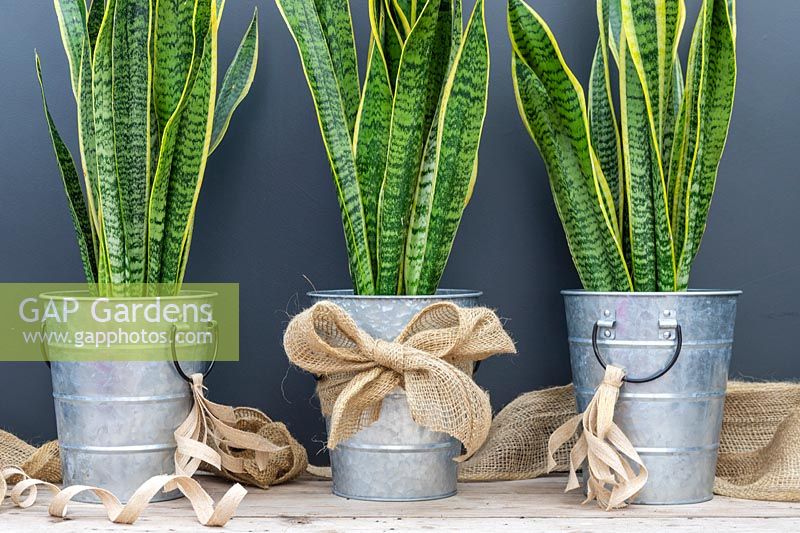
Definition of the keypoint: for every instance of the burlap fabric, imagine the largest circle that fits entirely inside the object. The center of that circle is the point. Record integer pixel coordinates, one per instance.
(759, 456)
(759, 446)
(239, 443)
(517, 443)
(42, 463)
(427, 360)
(284, 465)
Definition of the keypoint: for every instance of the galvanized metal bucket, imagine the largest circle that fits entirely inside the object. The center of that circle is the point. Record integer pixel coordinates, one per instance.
(116, 419)
(676, 350)
(394, 459)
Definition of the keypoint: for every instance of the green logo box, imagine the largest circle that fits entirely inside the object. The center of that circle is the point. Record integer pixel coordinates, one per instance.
(77, 322)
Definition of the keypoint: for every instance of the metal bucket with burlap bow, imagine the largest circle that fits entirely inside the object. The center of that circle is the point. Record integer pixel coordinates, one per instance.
(430, 360)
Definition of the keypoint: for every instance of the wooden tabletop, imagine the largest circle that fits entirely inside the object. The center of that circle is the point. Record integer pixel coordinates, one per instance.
(531, 505)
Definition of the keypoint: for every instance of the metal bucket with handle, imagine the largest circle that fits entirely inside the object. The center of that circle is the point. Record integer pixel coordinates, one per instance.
(675, 349)
(116, 418)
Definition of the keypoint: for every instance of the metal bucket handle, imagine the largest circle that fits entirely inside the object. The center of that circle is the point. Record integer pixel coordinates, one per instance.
(173, 333)
(652, 377)
(45, 353)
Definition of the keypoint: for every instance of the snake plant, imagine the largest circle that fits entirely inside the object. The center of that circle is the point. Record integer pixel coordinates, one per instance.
(633, 196)
(144, 78)
(403, 147)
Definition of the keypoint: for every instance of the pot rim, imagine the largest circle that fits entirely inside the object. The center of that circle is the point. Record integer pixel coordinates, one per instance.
(441, 294)
(690, 292)
(83, 295)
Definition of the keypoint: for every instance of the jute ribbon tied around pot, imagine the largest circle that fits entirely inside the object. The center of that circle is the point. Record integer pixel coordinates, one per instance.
(428, 359)
(612, 479)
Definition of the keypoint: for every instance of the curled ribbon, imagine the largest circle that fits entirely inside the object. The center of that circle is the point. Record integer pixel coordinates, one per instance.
(612, 479)
(208, 435)
(428, 359)
(24, 495)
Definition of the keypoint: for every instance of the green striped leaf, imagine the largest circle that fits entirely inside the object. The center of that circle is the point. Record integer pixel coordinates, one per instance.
(672, 121)
(405, 6)
(155, 127)
(334, 18)
(237, 82)
(171, 140)
(642, 52)
(79, 33)
(641, 175)
(613, 26)
(72, 186)
(130, 71)
(642, 27)
(190, 152)
(93, 21)
(389, 37)
(603, 126)
(371, 141)
(714, 105)
(653, 31)
(185, 253)
(552, 107)
(174, 49)
(419, 80)
(303, 23)
(71, 16)
(103, 268)
(393, 43)
(86, 138)
(605, 133)
(672, 21)
(155, 140)
(685, 137)
(416, 240)
(401, 13)
(108, 184)
(461, 117)
(457, 30)
(732, 16)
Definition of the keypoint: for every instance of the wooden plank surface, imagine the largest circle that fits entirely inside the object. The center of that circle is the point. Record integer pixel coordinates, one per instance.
(531, 505)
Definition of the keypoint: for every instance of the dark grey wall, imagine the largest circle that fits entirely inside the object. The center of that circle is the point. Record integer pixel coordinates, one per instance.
(268, 213)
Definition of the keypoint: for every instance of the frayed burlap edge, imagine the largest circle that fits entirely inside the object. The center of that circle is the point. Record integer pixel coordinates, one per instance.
(517, 444)
(759, 457)
(43, 463)
(759, 445)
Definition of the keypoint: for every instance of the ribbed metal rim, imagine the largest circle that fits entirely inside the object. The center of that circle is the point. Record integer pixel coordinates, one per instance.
(76, 295)
(441, 294)
(690, 292)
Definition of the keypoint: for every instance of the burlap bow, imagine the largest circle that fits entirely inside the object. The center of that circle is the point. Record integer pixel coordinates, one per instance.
(612, 479)
(427, 359)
